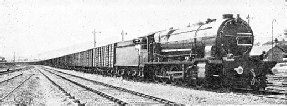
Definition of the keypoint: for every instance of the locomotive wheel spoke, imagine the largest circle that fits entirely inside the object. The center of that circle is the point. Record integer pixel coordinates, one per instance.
(179, 82)
(162, 72)
(155, 78)
(165, 80)
(175, 81)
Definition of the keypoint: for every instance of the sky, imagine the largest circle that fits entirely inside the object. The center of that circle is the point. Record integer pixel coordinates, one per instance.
(32, 27)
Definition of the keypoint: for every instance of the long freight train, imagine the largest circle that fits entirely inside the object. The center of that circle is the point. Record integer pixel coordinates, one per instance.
(211, 53)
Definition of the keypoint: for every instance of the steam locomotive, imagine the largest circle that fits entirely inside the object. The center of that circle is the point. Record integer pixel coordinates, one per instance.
(211, 53)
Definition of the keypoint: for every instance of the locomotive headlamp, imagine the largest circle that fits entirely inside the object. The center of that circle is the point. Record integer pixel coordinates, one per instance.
(274, 71)
(239, 70)
(136, 41)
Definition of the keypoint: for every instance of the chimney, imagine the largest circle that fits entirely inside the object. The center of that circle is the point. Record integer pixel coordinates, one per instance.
(227, 16)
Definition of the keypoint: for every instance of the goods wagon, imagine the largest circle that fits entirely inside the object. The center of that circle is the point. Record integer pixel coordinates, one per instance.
(90, 58)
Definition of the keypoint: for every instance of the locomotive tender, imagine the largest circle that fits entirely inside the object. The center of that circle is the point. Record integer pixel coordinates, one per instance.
(211, 53)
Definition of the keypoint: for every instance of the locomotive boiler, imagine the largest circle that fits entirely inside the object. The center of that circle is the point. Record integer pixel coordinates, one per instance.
(210, 53)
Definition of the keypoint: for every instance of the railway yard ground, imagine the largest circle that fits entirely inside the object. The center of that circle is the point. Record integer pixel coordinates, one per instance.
(47, 86)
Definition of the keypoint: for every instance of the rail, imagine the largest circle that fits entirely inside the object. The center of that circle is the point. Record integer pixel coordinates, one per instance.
(11, 78)
(120, 102)
(125, 90)
(16, 88)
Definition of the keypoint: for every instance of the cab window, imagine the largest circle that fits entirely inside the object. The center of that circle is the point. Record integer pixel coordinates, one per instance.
(144, 43)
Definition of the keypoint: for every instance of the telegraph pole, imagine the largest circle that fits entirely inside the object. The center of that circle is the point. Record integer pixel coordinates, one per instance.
(272, 38)
(94, 32)
(14, 58)
(123, 33)
(248, 18)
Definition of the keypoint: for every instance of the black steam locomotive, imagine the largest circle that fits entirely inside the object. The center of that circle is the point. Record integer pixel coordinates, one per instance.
(211, 53)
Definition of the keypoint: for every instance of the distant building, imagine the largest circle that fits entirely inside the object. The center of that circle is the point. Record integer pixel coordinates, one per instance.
(280, 43)
(257, 50)
(276, 53)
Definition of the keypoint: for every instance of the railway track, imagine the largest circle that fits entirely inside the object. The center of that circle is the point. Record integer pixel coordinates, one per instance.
(6, 72)
(265, 94)
(18, 86)
(11, 78)
(11, 71)
(272, 94)
(79, 99)
(62, 89)
(112, 92)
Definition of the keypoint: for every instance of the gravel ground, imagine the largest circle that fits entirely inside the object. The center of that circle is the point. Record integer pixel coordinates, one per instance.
(27, 94)
(53, 96)
(10, 75)
(124, 96)
(87, 97)
(8, 86)
(187, 96)
(37, 91)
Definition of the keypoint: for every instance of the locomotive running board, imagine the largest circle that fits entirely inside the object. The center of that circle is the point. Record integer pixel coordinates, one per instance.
(185, 62)
(244, 33)
(175, 50)
(173, 74)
